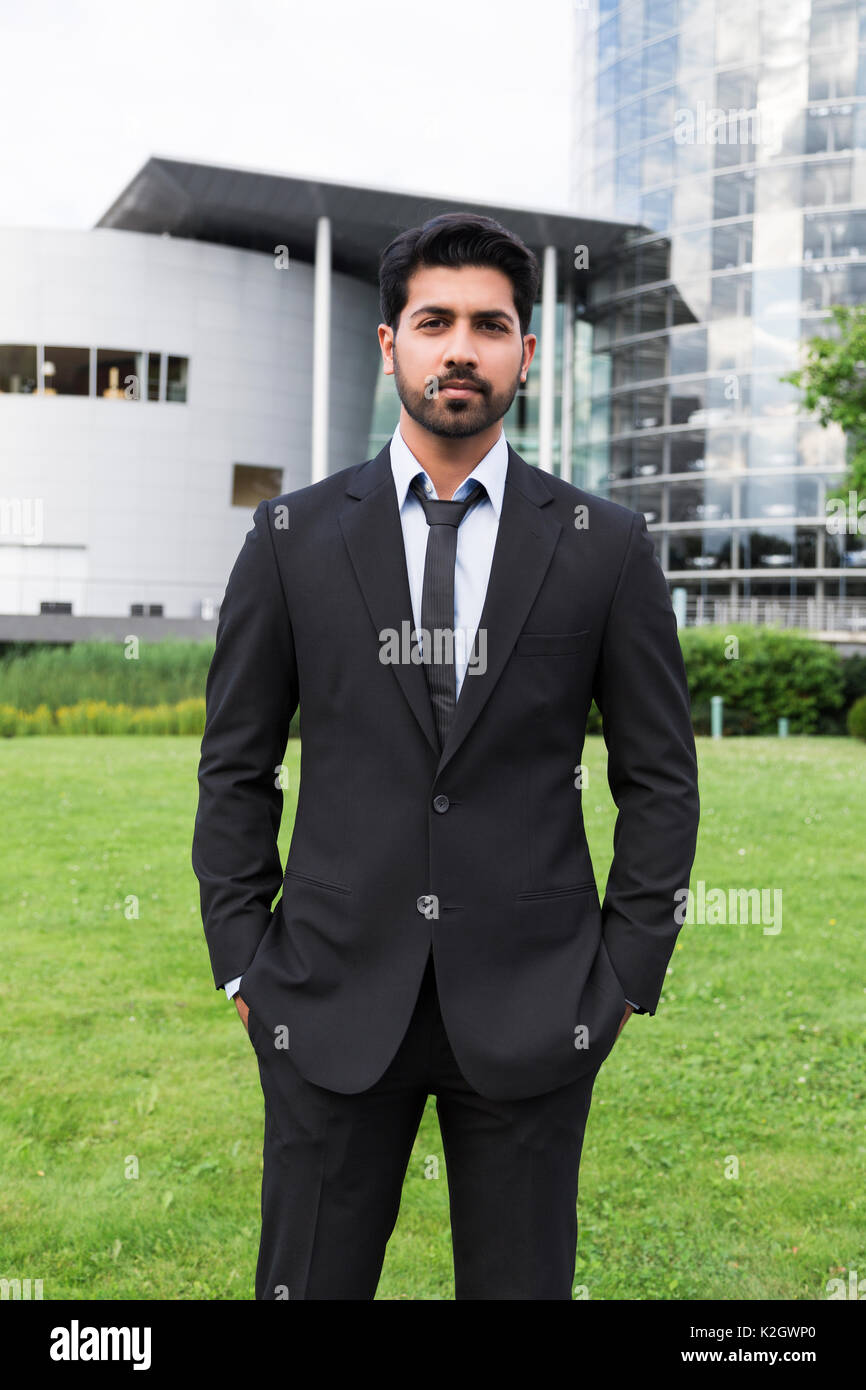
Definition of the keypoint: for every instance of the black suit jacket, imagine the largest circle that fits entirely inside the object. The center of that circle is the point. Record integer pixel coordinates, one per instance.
(480, 850)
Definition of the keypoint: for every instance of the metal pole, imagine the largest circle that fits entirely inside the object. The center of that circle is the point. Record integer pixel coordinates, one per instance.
(321, 348)
(548, 361)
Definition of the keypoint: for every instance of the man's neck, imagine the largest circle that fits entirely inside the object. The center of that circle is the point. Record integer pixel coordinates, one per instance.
(447, 461)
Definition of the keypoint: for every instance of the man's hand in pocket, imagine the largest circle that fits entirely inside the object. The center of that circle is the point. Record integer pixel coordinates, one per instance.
(625, 1018)
(244, 1011)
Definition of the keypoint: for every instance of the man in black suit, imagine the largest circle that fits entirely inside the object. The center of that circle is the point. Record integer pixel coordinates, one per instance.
(443, 614)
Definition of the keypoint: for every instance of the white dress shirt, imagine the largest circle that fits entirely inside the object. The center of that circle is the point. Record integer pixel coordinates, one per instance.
(476, 538)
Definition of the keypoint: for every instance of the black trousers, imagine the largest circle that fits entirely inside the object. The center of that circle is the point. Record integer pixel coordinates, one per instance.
(334, 1165)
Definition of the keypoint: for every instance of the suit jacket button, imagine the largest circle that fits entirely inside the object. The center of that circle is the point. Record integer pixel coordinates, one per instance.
(441, 804)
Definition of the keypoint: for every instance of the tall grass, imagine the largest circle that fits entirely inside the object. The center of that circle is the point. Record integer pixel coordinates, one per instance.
(128, 673)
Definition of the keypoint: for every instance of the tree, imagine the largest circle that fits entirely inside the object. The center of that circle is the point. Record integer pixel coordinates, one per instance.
(833, 382)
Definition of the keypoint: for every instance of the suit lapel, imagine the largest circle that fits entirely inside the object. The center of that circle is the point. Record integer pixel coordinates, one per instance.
(525, 542)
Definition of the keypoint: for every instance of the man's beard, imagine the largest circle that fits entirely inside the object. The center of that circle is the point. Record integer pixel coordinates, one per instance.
(455, 417)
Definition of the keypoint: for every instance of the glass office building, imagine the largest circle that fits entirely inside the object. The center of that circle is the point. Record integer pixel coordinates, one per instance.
(734, 137)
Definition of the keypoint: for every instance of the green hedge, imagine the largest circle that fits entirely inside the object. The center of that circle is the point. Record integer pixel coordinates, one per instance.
(93, 687)
(770, 672)
(99, 717)
(777, 671)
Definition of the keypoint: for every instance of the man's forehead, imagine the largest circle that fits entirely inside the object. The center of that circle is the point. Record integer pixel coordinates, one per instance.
(483, 287)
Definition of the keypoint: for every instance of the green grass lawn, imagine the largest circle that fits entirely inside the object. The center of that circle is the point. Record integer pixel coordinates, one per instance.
(118, 1056)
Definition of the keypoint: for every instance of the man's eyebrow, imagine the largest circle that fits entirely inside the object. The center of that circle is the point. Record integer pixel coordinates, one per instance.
(446, 312)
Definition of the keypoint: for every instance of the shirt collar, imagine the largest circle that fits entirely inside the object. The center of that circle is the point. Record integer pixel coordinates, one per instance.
(490, 471)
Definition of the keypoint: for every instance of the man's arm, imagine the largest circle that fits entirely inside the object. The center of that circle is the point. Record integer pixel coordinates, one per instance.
(251, 695)
(641, 690)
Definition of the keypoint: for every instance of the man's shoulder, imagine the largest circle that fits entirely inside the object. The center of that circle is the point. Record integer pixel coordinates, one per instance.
(612, 517)
(321, 493)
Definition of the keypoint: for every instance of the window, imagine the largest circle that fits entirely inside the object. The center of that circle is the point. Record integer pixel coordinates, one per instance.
(843, 234)
(688, 352)
(648, 456)
(734, 195)
(829, 130)
(653, 262)
(827, 183)
(834, 284)
(704, 550)
(687, 453)
(153, 361)
(118, 374)
(732, 246)
(608, 41)
(647, 500)
(627, 121)
(17, 369)
(737, 89)
(688, 402)
(175, 387)
(833, 26)
(66, 371)
(252, 482)
(833, 75)
(651, 310)
(658, 163)
(660, 62)
(656, 210)
(657, 113)
(700, 500)
(731, 296)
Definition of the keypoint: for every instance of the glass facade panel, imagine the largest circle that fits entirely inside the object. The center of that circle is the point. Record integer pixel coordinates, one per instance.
(700, 551)
(687, 452)
(647, 500)
(734, 194)
(700, 499)
(688, 351)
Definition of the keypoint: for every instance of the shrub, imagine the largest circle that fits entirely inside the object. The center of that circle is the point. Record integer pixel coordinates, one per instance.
(762, 674)
(857, 718)
(770, 672)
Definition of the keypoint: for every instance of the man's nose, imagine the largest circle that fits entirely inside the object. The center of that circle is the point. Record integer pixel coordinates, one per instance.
(459, 350)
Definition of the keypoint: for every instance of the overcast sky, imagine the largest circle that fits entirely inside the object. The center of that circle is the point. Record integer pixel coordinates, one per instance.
(467, 99)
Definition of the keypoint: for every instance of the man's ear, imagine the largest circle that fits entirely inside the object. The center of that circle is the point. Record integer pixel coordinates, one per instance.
(530, 341)
(386, 343)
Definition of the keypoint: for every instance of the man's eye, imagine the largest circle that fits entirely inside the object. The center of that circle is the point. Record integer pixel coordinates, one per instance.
(488, 323)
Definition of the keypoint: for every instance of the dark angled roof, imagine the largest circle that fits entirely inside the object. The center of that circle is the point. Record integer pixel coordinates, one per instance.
(258, 211)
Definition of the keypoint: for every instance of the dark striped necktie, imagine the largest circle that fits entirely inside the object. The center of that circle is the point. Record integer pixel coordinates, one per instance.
(437, 598)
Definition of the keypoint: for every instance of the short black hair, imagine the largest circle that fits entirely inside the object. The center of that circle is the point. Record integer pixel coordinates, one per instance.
(455, 239)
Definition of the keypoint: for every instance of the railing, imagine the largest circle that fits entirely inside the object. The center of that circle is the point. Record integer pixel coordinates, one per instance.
(814, 614)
